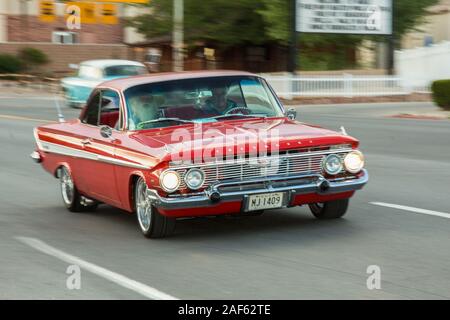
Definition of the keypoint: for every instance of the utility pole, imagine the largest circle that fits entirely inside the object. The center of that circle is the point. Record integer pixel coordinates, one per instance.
(392, 42)
(293, 51)
(391, 55)
(177, 38)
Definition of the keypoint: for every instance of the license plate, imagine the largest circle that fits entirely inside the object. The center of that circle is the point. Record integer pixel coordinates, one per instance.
(265, 201)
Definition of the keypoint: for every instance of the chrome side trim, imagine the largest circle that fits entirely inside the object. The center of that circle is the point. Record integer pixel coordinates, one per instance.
(73, 152)
(36, 138)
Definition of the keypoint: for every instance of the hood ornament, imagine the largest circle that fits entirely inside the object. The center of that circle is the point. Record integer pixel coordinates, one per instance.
(343, 131)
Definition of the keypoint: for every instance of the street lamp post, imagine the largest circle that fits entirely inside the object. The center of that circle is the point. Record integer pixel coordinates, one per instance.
(177, 38)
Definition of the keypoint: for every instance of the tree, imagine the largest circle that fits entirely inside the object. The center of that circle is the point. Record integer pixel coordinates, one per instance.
(408, 14)
(10, 64)
(222, 22)
(226, 23)
(32, 58)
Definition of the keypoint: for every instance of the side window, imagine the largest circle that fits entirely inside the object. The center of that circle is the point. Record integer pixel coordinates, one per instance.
(110, 109)
(255, 95)
(89, 72)
(91, 116)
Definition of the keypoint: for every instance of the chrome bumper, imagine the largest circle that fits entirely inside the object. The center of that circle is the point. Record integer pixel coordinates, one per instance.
(214, 195)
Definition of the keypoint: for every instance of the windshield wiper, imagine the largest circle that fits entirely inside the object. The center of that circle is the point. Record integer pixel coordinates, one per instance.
(255, 115)
(141, 124)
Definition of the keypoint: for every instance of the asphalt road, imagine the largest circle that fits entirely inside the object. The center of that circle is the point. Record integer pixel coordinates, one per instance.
(284, 254)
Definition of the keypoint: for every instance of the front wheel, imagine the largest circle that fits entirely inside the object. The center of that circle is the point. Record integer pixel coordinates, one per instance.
(329, 210)
(151, 222)
(72, 199)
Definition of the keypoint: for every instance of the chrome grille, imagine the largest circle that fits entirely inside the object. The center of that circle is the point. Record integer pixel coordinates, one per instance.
(242, 169)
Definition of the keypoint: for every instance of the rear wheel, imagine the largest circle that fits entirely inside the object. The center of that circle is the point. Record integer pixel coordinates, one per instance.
(151, 222)
(329, 210)
(71, 197)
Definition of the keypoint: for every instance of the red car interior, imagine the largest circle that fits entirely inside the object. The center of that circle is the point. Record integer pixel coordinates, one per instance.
(109, 118)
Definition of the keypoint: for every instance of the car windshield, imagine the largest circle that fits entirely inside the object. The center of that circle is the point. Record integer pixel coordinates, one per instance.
(116, 71)
(207, 99)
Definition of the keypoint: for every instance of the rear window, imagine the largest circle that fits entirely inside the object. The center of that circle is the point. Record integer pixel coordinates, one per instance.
(115, 71)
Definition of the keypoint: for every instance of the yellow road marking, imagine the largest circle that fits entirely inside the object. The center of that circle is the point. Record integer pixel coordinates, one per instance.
(5, 116)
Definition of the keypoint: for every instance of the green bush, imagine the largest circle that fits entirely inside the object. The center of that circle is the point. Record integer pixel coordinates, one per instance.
(33, 57)
(441, 93)
(10, 64)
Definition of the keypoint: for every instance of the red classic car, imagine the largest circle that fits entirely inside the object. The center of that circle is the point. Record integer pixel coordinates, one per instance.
(197, 144)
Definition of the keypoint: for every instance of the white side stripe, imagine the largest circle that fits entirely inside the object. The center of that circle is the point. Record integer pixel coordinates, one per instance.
(123, 281)
(412, 209)
(73, 152)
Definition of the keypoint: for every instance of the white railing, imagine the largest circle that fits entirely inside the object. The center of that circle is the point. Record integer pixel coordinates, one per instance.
(346, 85)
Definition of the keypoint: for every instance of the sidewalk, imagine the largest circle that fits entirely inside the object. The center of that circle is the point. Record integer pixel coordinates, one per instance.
(27, 92)
(414, 97)
(14, 87)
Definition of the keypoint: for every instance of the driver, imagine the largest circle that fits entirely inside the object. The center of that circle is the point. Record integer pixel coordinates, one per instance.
(142, 108)
(218, 104)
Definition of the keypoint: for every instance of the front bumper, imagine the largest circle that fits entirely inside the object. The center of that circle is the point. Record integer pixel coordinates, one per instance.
(233, 191)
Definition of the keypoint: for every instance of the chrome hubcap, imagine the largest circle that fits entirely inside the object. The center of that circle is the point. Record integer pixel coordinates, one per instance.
(67, 186)
(143, 206)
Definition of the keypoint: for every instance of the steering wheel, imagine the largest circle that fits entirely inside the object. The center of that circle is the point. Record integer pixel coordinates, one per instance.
(238, 110)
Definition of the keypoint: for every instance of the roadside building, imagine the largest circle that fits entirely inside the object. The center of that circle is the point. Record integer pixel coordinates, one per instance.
(435, 29)
(43, 25)
(268, 57)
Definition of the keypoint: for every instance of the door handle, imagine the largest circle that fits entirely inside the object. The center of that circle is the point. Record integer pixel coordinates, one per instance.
(85, 142)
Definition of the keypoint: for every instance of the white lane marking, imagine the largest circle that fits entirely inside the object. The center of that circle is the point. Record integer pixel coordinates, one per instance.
(412, 209)
(123, 281)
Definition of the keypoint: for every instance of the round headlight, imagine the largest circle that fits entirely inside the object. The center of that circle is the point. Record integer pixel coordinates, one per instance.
(169, 180)
(332, 164)
(354, 161)
(194, 179)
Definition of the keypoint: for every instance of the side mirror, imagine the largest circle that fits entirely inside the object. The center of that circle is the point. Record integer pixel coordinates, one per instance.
(74, 66)
(105, 131)
(291, 114)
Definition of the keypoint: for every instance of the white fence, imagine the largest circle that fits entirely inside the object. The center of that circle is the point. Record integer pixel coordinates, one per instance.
(346, 85)
(421, 66)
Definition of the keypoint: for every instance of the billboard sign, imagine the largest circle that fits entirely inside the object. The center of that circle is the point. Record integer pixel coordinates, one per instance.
(344, 16)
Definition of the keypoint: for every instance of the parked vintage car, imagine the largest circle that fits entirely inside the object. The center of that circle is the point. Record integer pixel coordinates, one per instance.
(91, 73)
(197, 144)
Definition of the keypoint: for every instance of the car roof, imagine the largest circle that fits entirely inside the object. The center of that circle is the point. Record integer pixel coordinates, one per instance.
(125, 83)
(104, 63)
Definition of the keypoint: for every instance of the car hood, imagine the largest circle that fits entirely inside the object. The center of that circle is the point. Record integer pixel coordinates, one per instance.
(237, 136)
